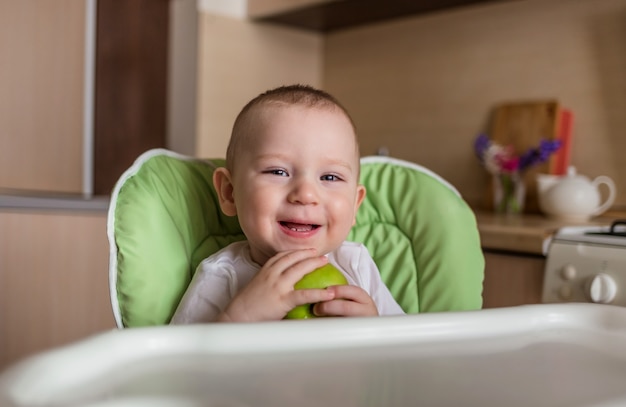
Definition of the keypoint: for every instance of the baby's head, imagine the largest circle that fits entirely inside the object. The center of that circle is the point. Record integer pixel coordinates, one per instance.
(303, 96)
(292, 172)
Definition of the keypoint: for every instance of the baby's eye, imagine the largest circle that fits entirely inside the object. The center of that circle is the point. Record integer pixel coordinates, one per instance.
(330, 177)
(277, 171)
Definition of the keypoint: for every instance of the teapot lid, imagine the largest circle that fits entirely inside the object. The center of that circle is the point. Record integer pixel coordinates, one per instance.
(573, 175)
(571, 171)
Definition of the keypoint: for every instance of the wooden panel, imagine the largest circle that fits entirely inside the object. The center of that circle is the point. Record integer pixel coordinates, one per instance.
(131, 83)
(512, 280)
(523, 125)
(53, 281)
(41, 88)
(326, 16)
(266, 8)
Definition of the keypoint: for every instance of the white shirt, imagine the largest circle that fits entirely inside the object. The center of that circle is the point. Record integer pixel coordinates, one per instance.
(221, 276)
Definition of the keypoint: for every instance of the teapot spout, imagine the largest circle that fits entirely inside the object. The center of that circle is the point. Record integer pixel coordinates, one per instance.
(546, 181)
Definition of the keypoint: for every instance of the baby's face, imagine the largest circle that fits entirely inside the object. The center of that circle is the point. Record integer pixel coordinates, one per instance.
(296, 183)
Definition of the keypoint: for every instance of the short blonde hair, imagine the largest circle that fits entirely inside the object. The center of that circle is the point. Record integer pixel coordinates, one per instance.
(291, 95)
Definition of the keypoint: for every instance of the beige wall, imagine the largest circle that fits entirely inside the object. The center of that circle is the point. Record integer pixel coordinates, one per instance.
(423, 86)
(237, 61)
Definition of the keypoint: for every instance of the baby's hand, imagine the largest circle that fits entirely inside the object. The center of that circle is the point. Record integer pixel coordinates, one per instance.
(349, 301)
(270, 294)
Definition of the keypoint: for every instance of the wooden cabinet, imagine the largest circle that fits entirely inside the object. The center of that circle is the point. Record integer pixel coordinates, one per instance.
(41, 82)
(46, 80)
(512, 279)
(131, 85)
(54, 285)
(332, 15)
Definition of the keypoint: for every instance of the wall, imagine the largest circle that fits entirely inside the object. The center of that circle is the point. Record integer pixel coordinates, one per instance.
(237, 61)
(423, 86)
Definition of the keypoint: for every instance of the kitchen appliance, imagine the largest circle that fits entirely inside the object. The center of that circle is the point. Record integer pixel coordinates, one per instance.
(587, 264)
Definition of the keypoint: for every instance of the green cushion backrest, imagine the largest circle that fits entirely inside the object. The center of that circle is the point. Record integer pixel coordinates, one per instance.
(164, 218)
(422, 235)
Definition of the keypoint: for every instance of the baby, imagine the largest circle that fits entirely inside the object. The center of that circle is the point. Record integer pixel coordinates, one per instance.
(291, 177)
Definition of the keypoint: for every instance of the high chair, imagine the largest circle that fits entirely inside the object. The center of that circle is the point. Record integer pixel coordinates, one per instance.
(164, 219)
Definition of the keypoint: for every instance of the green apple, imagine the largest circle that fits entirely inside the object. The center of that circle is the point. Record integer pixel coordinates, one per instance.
(322, 277)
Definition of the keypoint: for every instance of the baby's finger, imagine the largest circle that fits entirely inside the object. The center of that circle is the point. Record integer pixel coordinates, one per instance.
(283, 255)
(350, 292)
(296, 271)
(310, 296)
(335, 308)
(283, 260)
(344, 308)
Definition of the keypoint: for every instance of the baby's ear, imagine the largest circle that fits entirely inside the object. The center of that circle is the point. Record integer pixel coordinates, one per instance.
(360, 196)
(222, 181)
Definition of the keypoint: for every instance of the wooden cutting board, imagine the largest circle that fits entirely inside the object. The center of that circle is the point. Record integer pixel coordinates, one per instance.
(523, 124)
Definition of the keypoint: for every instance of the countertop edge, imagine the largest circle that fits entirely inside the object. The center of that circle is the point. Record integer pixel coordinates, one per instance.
(523, 234)
(53, 202)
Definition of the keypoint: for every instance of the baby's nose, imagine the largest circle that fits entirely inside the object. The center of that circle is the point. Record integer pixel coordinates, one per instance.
(304, 192)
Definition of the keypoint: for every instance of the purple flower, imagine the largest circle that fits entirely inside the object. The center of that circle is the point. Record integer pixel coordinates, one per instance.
(538, 155)
(481, 144)
(499, 159)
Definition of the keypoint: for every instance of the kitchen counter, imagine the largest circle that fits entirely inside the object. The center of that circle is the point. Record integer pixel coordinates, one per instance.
(528, 234)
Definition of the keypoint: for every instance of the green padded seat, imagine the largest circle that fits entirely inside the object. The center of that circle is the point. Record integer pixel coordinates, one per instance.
(164, 218)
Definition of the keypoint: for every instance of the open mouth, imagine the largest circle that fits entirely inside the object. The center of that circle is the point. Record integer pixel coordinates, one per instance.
(299, 227)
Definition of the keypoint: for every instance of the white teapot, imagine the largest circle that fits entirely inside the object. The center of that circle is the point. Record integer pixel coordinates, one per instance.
(573, 197)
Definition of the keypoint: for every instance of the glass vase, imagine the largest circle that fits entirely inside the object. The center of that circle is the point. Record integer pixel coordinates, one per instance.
(509, 193)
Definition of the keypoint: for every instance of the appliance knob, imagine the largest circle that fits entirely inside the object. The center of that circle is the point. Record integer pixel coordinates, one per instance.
(602, 289)
(565, 292)
(568, 272)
